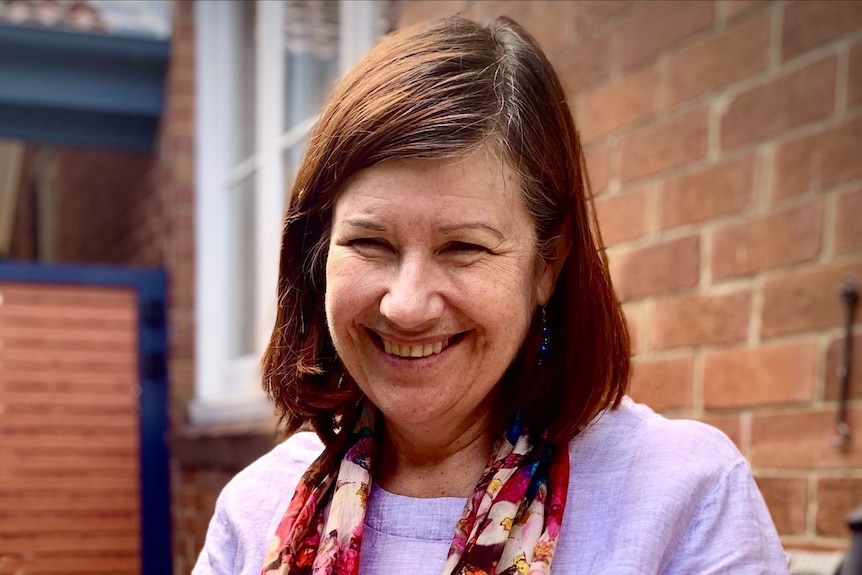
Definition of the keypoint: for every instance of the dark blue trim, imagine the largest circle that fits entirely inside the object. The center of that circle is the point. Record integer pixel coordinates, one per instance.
(88, 89)
(150, 285)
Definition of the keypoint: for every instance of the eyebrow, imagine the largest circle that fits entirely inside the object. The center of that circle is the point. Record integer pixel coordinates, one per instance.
(452, 228)
(365, 224)
(446, 229)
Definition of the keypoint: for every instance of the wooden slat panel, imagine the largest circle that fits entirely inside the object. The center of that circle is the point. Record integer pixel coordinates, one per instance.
(42, 377)
(94, 357)
(96, 563)
(54, 525)
(11, 398)
(61, 387)
(96, 441)
(65, 420)
(68, 295)
(51, 411)
(63, 334)
(73, 543)
(113, 484)
(69, 441)
(93, 504)
(106, 365)
(88, 323)
(123, 313)
(14, 462)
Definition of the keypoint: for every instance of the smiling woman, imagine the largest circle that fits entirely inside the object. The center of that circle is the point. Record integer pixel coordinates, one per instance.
(447, 327)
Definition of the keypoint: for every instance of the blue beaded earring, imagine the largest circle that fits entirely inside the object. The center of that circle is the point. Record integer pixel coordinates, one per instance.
(545, 343)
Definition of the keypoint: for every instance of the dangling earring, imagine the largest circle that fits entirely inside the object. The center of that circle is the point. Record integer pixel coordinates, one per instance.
(545, 343)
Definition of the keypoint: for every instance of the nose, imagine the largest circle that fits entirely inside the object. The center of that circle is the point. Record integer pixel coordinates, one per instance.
(412, 300)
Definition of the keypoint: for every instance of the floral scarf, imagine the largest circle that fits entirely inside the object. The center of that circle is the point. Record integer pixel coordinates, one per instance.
(509, 525)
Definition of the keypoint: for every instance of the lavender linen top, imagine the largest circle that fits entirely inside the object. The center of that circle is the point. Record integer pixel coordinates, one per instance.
(647, 495)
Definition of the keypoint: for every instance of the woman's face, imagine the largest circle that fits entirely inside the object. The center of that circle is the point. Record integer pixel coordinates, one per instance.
(431, 282)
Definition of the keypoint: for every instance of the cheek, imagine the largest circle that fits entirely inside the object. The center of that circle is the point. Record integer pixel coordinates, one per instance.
(349, 290)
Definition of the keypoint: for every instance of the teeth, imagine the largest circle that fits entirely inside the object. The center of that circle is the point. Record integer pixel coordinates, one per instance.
(415, 351)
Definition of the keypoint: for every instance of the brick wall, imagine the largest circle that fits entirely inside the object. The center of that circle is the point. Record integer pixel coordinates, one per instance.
(194, 494)
(193, 491)
(99, 199)
(723, 141)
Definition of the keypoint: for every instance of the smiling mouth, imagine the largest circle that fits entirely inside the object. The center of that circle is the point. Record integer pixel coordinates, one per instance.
(414, 351)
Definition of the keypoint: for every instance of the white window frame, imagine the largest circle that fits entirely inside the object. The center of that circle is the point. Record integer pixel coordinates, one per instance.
(228, 390)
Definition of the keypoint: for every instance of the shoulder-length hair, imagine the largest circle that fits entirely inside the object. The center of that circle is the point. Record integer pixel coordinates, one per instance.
(442, 90)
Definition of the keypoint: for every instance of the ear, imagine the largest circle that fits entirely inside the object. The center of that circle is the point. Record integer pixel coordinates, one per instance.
(549, 271)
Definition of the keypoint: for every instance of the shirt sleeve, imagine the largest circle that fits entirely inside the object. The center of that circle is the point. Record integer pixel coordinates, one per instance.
(732, 532)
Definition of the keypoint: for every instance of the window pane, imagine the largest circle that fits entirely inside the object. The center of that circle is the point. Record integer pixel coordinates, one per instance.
(311, 56)
(290, 163)
(241, 268)
(242, 117)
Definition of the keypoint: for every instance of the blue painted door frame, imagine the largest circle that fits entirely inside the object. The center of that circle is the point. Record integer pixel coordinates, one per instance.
(149, 284)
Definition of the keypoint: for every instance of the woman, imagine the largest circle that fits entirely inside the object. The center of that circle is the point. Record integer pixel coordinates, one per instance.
(447, 326)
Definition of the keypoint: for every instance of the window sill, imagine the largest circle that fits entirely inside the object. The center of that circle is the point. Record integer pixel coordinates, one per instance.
(225, 446)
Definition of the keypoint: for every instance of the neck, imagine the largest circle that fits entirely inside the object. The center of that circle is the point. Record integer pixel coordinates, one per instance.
(419, 463)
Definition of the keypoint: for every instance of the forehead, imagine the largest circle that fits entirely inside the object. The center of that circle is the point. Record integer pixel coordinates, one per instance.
(480, 180)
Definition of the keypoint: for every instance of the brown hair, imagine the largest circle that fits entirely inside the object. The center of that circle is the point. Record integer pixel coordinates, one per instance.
(442, 90)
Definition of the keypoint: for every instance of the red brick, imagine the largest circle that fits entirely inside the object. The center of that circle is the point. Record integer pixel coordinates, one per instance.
(597, 157)
(660, 25)
(834, 357)
(634, 313)
(422, 10)
(766, 375)
(848, 225)
(662, 384)
(719, 61)
(623, 217)
(694, 320)
(811, 24)
(730, 424)
(735, 8)
(806, 299)
(663, 145)
(592, 15)
(780, 104)
(836, 498)
(627, 102)
(584, 64)
(551, 23)
(787, 500)
(715, 191)
(816, 162)
(801, 439)
(854, 76)
(661, 267)
(778, 239)
(487, 10)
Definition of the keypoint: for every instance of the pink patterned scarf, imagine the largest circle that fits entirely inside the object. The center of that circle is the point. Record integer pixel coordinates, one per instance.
(509, 526)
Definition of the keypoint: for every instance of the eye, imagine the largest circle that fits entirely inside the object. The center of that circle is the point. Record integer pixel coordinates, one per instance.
(370, 245)
(464, 248)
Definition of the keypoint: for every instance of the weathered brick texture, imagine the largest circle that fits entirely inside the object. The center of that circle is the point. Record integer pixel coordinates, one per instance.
(709, 193)
(743, 377)
(816, 162)
(785, 237)
(779, 104)
(661, 267)
(623, 216)
(696, 320)
(787, 499)
(666, 383)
